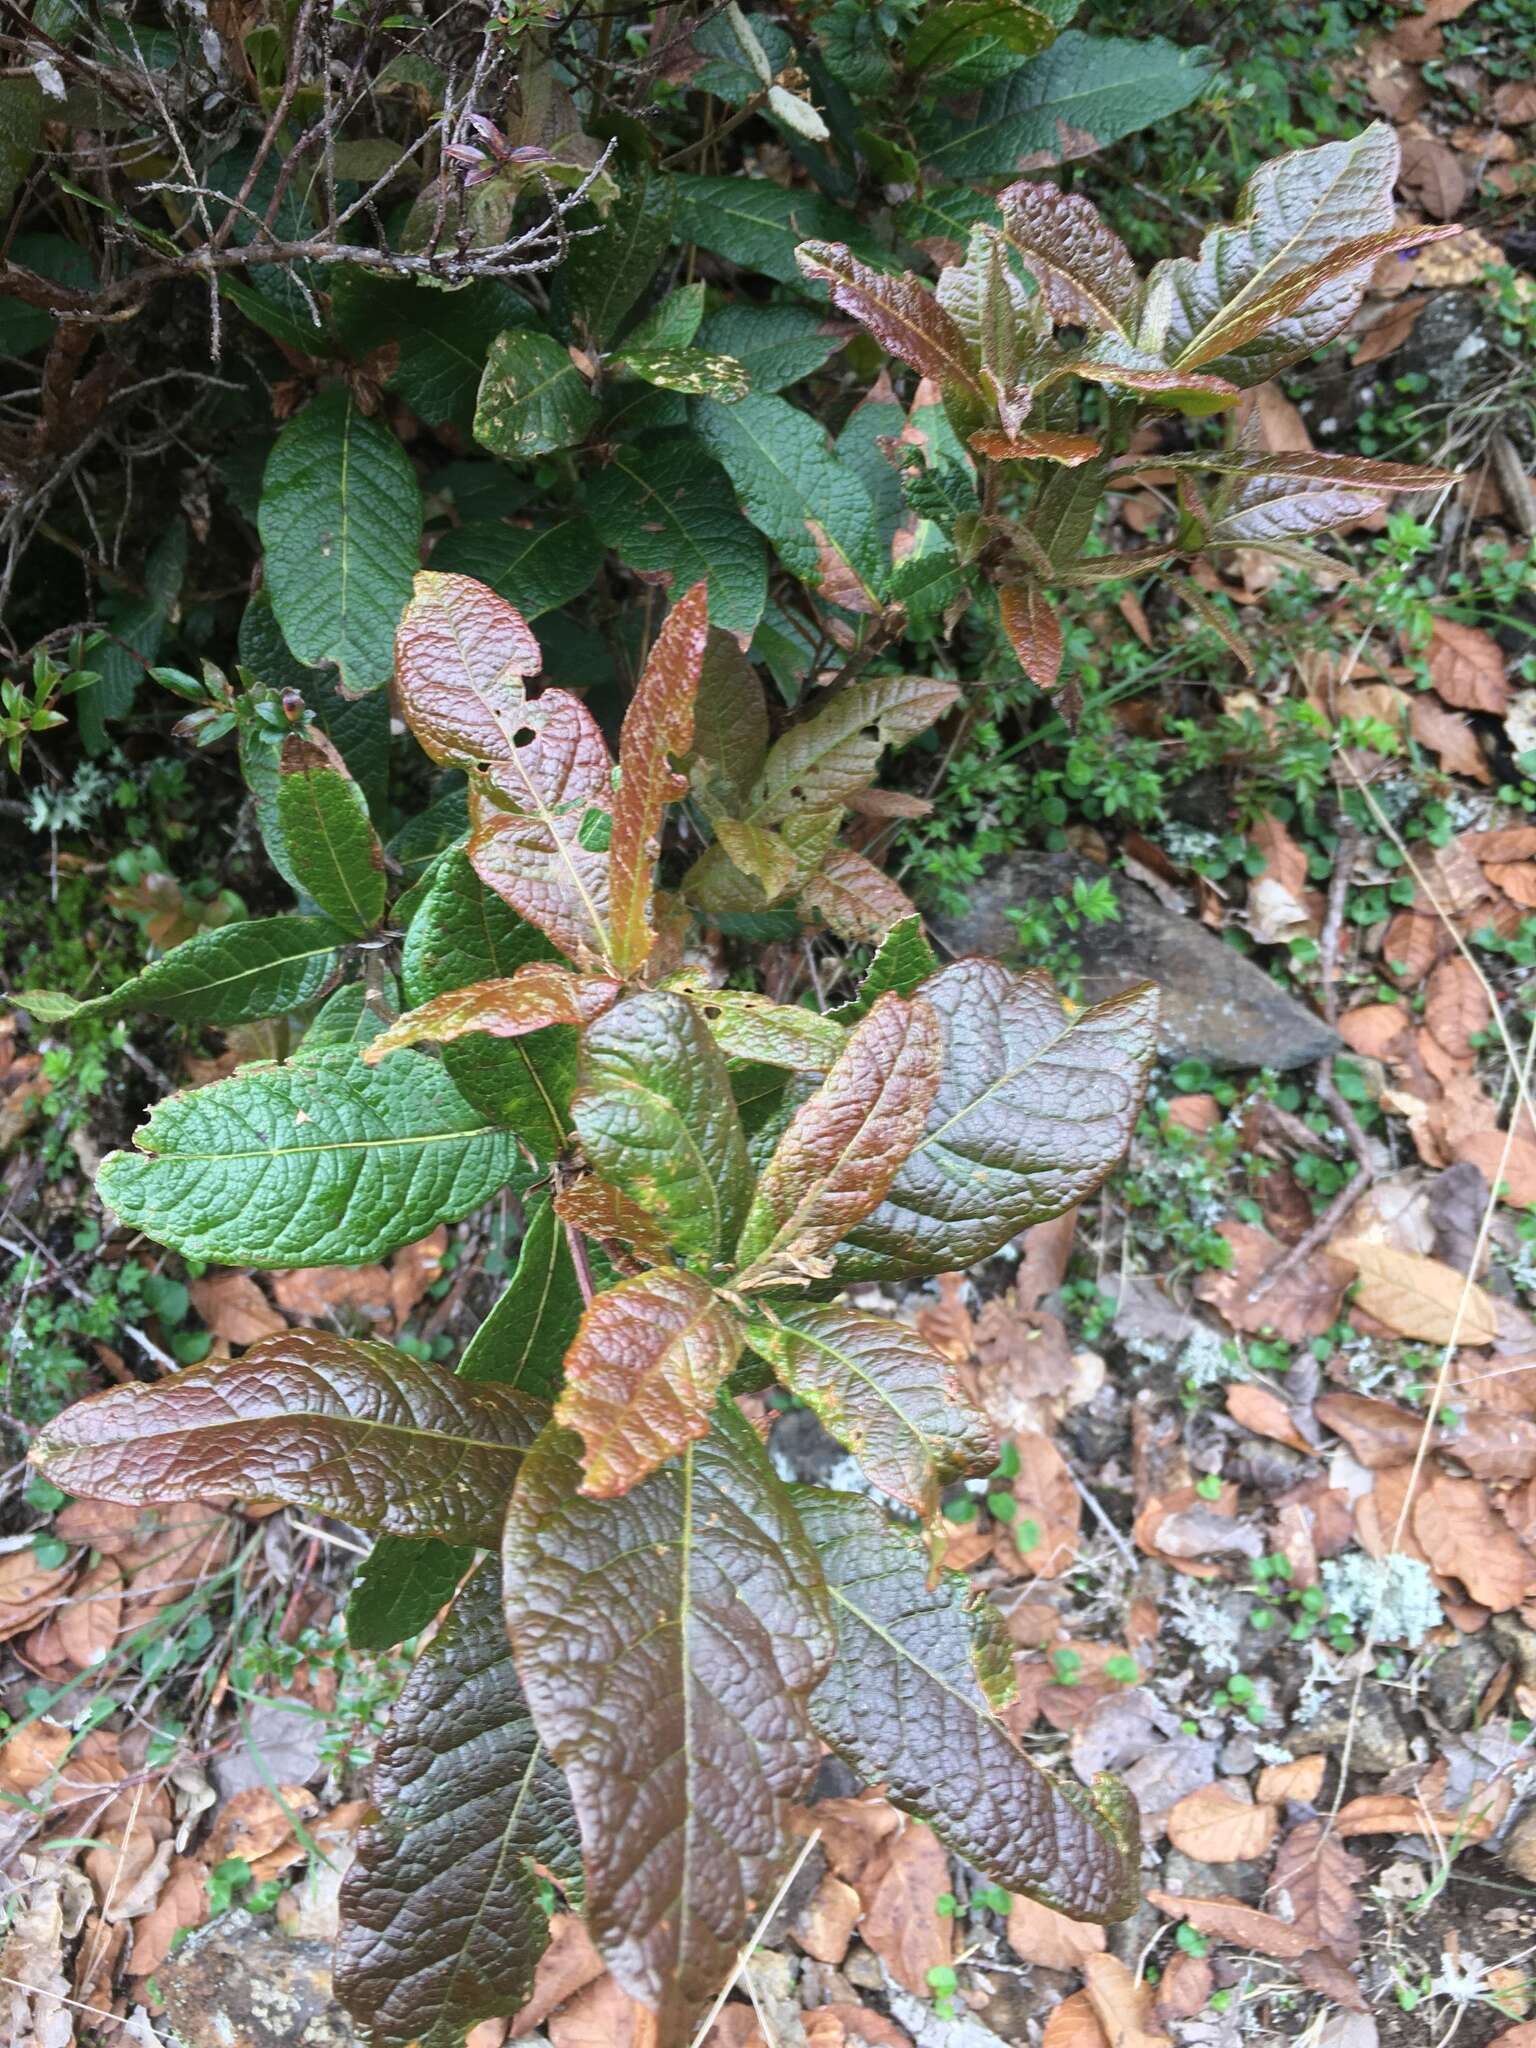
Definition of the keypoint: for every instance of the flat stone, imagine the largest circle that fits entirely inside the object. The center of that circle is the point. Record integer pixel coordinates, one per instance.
(1192, 1879)
(238, 1983)
(1379, 1743)
(1459, 1677)
(1216, 1005)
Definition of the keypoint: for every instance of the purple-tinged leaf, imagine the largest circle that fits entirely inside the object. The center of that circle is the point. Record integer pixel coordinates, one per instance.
(359, 1431)
(667, 1645)
(1034, 632)
(1084, 269)
(855, 899)
(1027, 446)
(900, 312)
(643, 1374)
(461, 656)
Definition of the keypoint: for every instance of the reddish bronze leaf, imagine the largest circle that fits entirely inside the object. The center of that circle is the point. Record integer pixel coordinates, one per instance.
(1027, 446)
(1034, 632)
(461, 654)
(845, 1145)
(859, 901)
(642, 1375)
(1084, 269)
(900, 312)
(540, 993)
(658, 724)
(597, 1208)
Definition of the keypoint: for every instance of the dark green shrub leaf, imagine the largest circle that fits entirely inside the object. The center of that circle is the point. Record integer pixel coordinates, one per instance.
(688, 369)
(909, 1704)
(667, 1644)
(262, 967)
(903, 959)
(842, 1150)
(332, 848)
(1033, 1110)
(881, 1391)
(441, 1919)
(341, 526)
(532, 397)
(463, 933)
(667, 507)
(523, 1341)
(775, 345)
(604, 274)
(359, 1431)
(947, 35)
(643, 1374)
(756, 224)
(400, 1585)
(440, 337)
(320, 1162)
(656, 1117)
(537, 567)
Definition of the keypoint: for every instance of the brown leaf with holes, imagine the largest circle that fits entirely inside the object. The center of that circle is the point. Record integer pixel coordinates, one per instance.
(1464, 1539)
(1301, 1304)
(1217, 1825)
(1037, 1934)
(1313, 1887)
(1466, 667)
(1418, 1297)
(1457, 1006)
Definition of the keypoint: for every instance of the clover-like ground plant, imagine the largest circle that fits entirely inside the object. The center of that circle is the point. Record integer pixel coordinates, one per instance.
(650, 1635)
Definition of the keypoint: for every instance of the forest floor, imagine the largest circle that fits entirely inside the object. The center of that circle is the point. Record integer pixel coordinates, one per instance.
(1264, 1526)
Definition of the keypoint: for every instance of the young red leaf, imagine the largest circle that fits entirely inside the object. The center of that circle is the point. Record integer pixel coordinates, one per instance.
(859, 901)
(1354, 472)
(441, 1920)
(879, 1389)
(667, 1645)
(900, 312)
(1084, 269)
(359, 1431)
(461, 654)
(1034, 1108)
(599, 1210)
(643, 1373)
(658, 724)
(843, 1148)
(1190, 390)
(539, 994)
(1034, 631)
(1067, 449)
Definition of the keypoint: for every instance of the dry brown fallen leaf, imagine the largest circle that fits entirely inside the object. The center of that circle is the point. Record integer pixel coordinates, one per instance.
(568, 1964)
(1184, 1988)
(1123, 2004)
(1047, 1498)
(1464, 1539)
(1074, 2024)
(825, 1927)
(901, 1921)
(1504, 1162)
(183, 1902)
(1218, 1825)
(833, 2026)
(234, 1308)
(1301, 1780)
(1039, 1935)
(1379, 1434)
(1466, 667)
(1419, 1297)
(1229, 1920)
(1262, 1410)
(1457, 1006)
(28, 1589)
(601, 2015)
(1302, 1304)
(1312, 1886)
(1448, 734)
(89, 1618)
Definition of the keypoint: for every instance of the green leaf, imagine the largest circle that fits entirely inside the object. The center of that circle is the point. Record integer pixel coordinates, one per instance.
(604, 274)
(321, 1162)
(730, 727)
(844, 1145)
(440, 337)
(341, 526)
(357, 727)
(665, 507)
(687, 369)
(463, 933)
(793, 488)
(833, 756)
(674, 323)
(775, 345)
(752, 1027)
(756, 224)
(331, 846)
(21, 129)
(908, 1704)
(945, 37)
(656, 1117)
(1084, 92)
(537, 567)
(400, 1586)
(667, 1644)
(1033, 1109)
(263, 967)
(523, 1341)
(352, 1016)
(442, 1922)
(643, 1373)
(882, 1392)
(903, 959)
(532, 397)
(359, 1431)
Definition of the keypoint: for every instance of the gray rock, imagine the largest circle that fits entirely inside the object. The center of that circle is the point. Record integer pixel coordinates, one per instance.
(1459, 1677)
(1216, 1005)
(1379, 1743)
(1192, 1879)
(1127, 1939)
(238, 1983)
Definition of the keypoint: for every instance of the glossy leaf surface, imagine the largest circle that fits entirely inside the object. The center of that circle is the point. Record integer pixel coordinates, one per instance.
(261, 967)
(643, 1373)
(844, 1146)
(330, 842)
(542, 993)
(658, 725)
(360, 1431)
(900, 312)
(909, 1703)
(442, 1923)
(320, 1162)
(1033, 1110)
(882, 1392)
(656, 1117)
(1084, 269)
(667, 1644)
